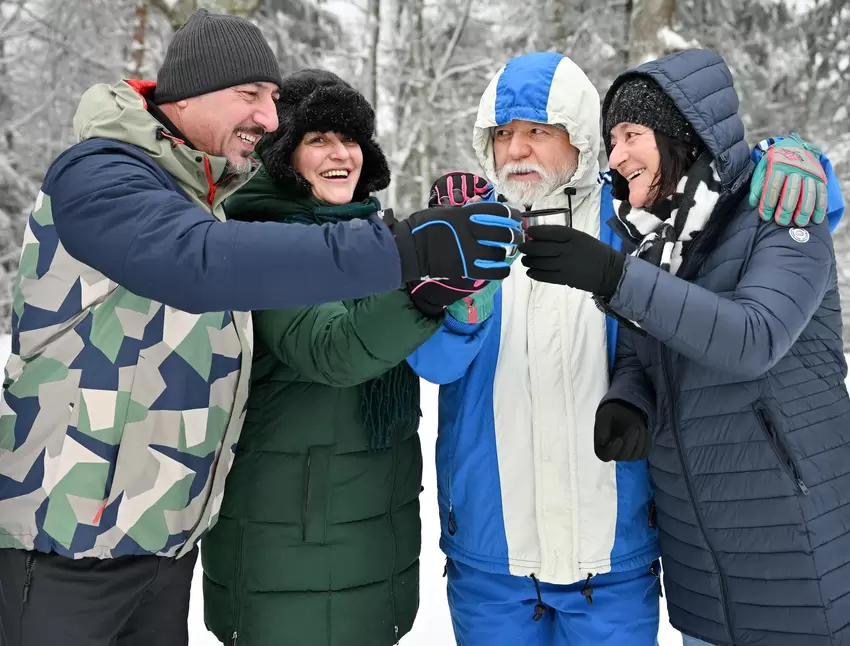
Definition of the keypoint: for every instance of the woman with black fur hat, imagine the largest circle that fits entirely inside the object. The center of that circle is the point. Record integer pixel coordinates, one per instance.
(319, 534)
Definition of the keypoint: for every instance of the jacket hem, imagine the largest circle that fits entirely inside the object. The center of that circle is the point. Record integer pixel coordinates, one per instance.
(504, 565)
(26, 542)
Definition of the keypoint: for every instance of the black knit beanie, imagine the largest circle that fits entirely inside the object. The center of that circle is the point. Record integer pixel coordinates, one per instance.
(320, 101)
(212, 52)
(640, 100)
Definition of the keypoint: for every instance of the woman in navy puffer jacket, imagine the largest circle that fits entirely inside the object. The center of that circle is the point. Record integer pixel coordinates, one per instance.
(731, 369)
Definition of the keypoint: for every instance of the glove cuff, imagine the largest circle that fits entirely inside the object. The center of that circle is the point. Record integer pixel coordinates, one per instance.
(613, 275)
(408, 256)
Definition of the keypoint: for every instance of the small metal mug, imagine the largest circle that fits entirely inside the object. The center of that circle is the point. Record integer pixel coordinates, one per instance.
(562, 217)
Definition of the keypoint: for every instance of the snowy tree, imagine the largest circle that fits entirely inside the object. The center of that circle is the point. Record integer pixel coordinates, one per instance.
(424, 65)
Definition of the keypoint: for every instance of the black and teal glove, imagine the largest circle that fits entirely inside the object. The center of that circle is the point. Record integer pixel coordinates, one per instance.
(789, 183)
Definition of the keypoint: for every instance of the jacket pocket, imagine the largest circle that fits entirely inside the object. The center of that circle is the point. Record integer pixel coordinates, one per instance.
(777, 440)
(316, 483)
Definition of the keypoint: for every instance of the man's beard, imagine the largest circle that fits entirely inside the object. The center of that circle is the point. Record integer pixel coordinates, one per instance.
(527, 193)
(242, 167)
(245, 164)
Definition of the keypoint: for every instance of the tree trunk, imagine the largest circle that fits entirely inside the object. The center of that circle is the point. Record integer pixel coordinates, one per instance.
(375, 31)
(137, 49)
(422, 72)
(648, 16)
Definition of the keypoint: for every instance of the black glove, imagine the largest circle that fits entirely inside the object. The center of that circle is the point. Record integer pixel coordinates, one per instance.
(567, 256)
(457, 188)
(432, 297)
(456, 241)
(620, 433)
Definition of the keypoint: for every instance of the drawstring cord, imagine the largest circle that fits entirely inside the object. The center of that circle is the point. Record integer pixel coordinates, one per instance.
(570, 192)
(162, 134)
(587, 590)
(539, 609)
(655, 571)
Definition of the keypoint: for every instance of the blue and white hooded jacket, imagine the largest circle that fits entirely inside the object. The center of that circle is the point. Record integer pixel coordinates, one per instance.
(520, 488)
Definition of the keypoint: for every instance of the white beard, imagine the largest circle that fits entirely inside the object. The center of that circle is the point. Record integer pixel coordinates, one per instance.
(527, 193)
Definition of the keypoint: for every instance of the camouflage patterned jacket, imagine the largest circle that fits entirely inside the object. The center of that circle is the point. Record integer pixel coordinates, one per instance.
(131, 346)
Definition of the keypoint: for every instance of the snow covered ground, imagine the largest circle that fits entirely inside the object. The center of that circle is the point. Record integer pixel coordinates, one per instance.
(433, 626)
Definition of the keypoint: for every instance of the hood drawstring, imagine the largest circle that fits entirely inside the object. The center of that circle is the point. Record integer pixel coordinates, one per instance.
(570, 192)
(162, 134)
(587, 590)
(539, 609)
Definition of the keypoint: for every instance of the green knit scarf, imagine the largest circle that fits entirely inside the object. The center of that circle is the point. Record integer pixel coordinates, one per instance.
(390, 402)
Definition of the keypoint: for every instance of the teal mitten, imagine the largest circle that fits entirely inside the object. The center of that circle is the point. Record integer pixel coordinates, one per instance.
(789, 184)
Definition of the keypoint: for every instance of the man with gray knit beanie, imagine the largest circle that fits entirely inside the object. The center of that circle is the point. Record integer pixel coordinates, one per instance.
(127, 384)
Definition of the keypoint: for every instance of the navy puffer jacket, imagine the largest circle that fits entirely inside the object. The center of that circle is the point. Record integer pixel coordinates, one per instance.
(742, 376)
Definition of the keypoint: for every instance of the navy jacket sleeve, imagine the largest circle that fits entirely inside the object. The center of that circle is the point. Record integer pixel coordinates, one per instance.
(749, 331)
(629, 381)
(123, 217)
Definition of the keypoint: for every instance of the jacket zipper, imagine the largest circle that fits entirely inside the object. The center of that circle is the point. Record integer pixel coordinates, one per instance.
(471, 312)
(30, 567)
(306, 502)
(667, 368)
(781, 449)
(393, 535)
(237, 590)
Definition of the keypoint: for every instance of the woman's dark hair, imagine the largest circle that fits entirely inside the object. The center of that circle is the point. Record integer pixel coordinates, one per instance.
(675, 158)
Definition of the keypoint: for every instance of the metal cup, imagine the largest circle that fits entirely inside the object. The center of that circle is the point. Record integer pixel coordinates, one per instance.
(562, 217)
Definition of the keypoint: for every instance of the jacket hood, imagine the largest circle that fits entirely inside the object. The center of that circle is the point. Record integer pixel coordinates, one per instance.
(700, 85)
(545, 88)
(120, 112)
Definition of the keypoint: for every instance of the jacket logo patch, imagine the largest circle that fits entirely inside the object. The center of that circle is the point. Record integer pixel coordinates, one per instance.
(800, 235)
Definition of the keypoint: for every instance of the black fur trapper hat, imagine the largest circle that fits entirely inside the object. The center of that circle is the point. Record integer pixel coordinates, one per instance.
(318, 100)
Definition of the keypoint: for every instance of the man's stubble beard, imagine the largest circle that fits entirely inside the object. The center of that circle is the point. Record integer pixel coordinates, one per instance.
(242, 167)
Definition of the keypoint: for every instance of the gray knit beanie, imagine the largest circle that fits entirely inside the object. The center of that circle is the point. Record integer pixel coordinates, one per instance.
(212, 52)
(640, 100)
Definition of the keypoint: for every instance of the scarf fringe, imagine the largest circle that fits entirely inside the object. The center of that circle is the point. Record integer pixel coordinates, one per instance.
(390, 404)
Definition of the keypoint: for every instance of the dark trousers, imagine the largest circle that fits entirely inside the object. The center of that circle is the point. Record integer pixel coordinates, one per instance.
(50, 600)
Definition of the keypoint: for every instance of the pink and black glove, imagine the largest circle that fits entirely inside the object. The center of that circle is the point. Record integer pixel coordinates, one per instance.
(457, 188)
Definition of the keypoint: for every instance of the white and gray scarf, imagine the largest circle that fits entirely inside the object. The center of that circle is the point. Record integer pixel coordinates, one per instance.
(664, 233)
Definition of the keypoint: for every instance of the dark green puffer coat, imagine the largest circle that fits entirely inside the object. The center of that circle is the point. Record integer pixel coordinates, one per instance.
(318, 539)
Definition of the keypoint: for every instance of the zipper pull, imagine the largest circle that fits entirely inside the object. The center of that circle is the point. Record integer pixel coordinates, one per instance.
(396, 634)
(233, 639)
(471, 313)
(28, 577)
(452, 524)
(803, 488)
